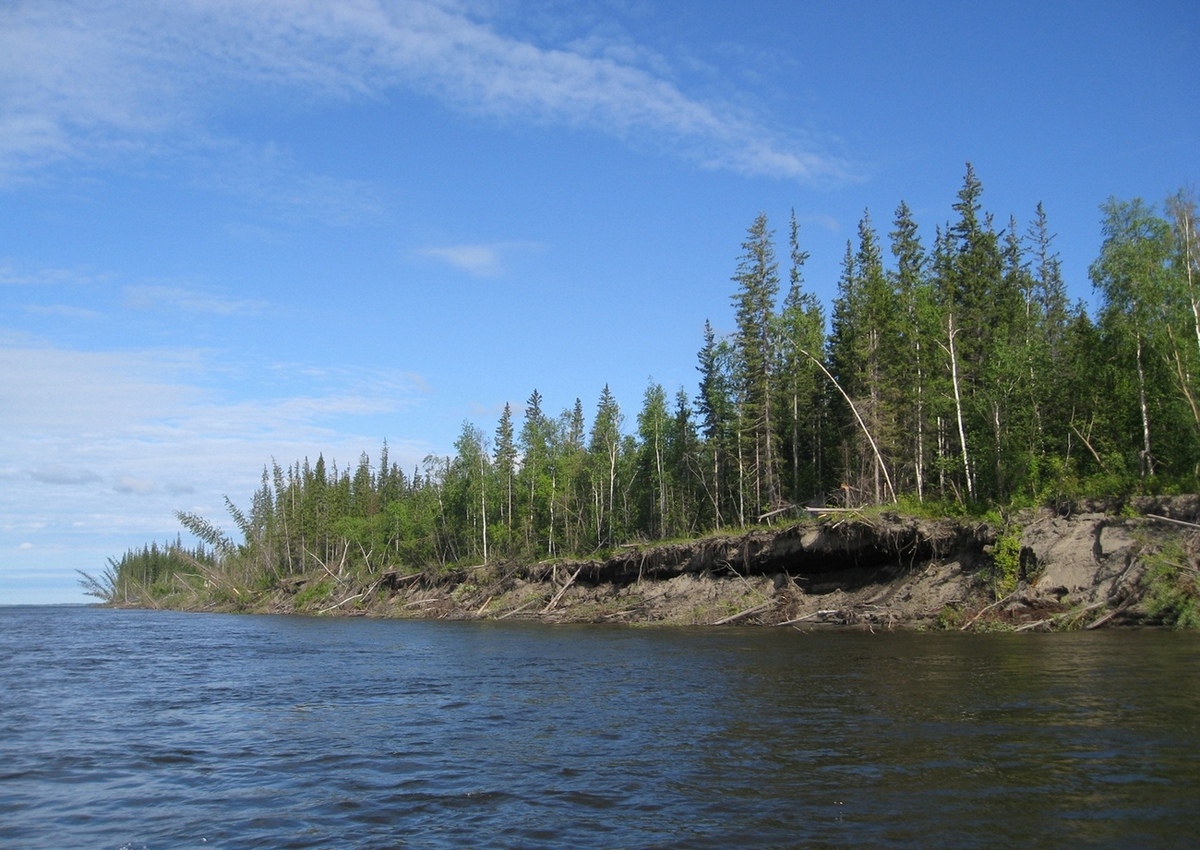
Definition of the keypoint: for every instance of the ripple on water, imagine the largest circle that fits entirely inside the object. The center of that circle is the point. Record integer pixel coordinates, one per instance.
(154, 729)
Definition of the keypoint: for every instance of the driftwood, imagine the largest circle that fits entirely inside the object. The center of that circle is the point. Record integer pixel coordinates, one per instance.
(561, 591)
(1175, 521)
(987, 608)
(517, 610)
(1097, 623)
(335, 576)
(1078, 612)
(739, 615)
(822, 613)
(775, 512)
(343, 602)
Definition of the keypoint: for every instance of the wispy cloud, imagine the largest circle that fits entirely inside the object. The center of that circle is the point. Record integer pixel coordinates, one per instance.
(185, 300)
(65, 311)
(12, 275)
(269, 178)
(64, 475)
(475, 260)
(485, 259)
(81, 80)
(104, 443)
(136, 486)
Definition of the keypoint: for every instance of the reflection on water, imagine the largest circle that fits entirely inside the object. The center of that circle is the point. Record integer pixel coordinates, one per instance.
(159, 729)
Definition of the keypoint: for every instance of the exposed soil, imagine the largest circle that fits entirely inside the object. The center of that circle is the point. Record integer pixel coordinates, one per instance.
(1076, 569)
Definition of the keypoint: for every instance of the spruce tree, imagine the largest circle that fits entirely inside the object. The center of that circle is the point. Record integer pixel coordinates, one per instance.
(918, 325)
(800, 334)
(758, 284)
(506, 470)
(604, 455)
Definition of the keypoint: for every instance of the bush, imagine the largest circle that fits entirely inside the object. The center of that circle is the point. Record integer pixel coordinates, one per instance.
(1173, 589)
(311, 593)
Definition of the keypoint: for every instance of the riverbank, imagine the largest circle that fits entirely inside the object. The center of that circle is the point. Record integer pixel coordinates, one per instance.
(1100, 565)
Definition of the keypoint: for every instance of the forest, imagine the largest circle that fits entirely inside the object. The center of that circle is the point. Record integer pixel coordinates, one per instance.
(951, 375)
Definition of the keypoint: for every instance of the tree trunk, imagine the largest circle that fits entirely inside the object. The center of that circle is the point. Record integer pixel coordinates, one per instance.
(1147, 460)
(962, 433)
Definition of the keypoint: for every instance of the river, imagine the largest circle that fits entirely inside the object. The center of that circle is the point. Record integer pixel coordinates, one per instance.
(153, 729)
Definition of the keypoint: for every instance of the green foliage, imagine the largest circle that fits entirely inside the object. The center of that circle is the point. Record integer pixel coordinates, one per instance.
(969, 382)
(146, 573)
(312, 594)
(1172, 585)
(950, 618)
(1006, 561)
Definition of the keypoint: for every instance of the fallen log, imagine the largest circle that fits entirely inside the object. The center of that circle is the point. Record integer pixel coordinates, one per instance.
(1175, 521)
(987, 608)
(343, 602)
(561, 591)
(517, 610)
(822, 613)
(740, 614)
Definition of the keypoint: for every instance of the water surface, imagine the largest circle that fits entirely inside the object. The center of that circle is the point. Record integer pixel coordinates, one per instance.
(150, 729)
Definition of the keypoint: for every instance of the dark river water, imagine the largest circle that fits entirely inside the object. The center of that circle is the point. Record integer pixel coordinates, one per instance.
(147, 729)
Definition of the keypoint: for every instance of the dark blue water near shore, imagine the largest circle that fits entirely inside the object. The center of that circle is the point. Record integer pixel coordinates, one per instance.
(136, 729)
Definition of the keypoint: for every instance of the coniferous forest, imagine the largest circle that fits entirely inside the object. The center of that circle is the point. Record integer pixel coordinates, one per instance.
(951, 373)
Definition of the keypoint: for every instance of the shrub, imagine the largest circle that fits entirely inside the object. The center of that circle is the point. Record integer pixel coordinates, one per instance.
(1172, 587)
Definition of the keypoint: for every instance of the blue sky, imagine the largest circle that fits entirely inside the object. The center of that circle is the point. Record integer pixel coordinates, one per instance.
(241, 230)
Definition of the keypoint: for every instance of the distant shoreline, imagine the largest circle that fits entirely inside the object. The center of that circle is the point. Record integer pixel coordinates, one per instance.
(1045, 572)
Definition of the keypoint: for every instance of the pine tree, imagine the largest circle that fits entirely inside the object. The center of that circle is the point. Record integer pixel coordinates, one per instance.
(653, 425)
(863, 347)
(604, 454)
(467, 492)
(534, 475)
(758, 284)
(683, 464)
(717, 407)
(918, 324)
(506, 470)
(800, 332)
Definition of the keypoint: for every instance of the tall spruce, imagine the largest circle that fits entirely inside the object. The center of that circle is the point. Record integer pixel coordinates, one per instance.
(604, 455)
(757, 278)
(800, 334)
(506, 470)
(718, 421)
(918, 324)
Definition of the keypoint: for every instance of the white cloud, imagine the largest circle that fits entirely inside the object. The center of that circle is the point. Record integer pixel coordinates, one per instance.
(269, 178)
(475, 260)
(142, 419)
(64, 311)
(101, 449)
(83, 80)
(183, 299)
(11, 275)
(485, 259)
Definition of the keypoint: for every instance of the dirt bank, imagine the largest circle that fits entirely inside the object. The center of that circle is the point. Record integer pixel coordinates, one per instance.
(1038, 570)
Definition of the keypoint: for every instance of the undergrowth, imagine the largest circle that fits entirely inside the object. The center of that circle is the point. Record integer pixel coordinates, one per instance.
(1172, 586)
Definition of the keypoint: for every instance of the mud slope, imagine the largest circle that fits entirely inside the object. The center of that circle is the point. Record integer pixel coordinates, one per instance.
(1076, 570)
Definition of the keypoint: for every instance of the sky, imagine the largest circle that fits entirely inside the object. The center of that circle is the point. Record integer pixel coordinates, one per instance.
(238, 231)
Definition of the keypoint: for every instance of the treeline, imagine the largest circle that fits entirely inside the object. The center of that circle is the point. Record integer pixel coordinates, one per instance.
(152, 571)
(952, 369)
